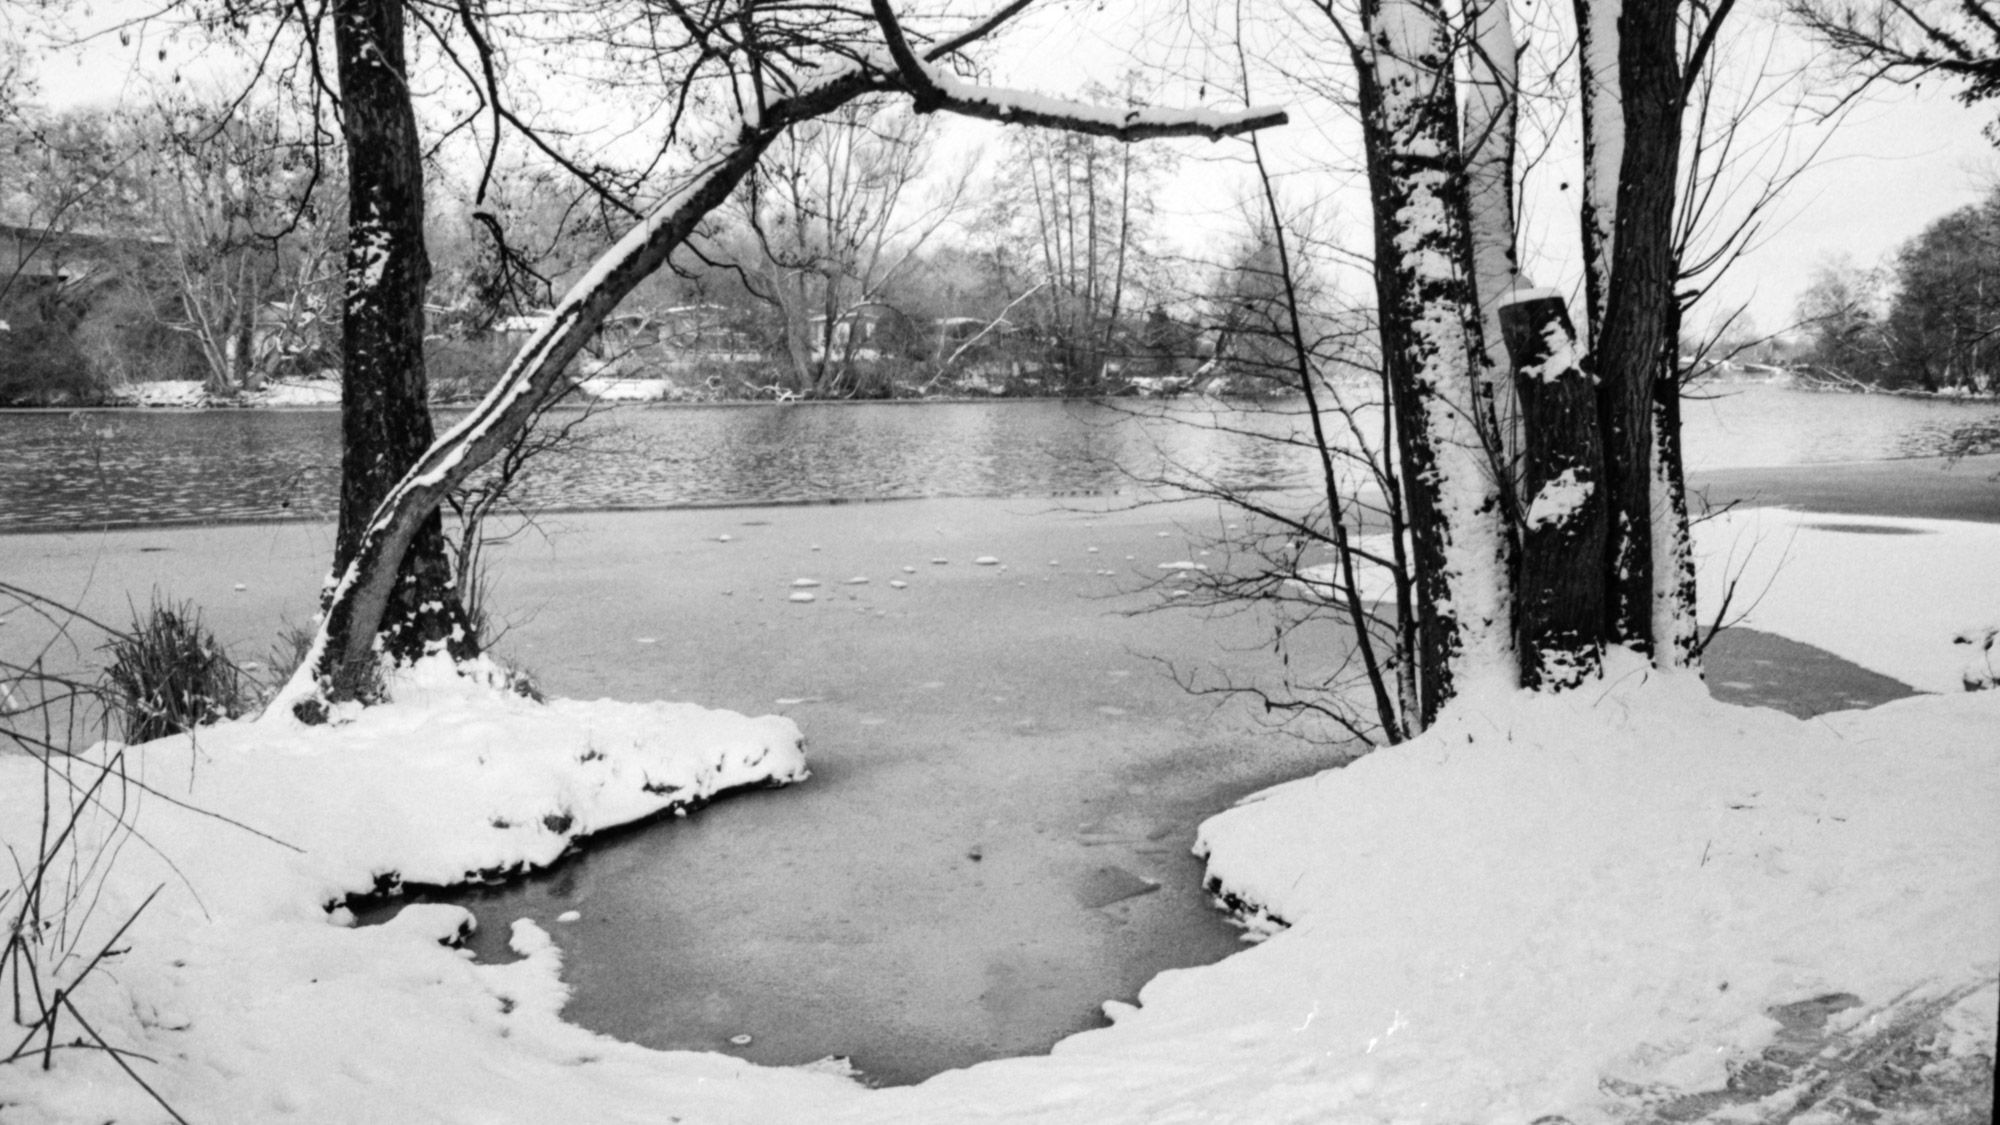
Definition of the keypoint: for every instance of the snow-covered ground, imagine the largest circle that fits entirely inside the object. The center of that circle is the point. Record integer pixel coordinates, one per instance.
(192, 394)
(1590, 905)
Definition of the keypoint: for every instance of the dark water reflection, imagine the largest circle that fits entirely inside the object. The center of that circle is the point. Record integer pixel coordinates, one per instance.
(131, 467)
(61, 471)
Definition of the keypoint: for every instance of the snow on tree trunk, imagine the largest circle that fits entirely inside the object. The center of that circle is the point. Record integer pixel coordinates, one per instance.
(1633, 343)
(1603, 150)
(1455, 498)
(385, 408)
(1420, 632)
(1491, 107)
(1560, 588)
(1675, 626)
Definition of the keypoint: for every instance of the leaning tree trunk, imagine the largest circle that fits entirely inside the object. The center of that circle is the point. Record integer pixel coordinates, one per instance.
(1431, 314)
(536, 374)
(385, 410)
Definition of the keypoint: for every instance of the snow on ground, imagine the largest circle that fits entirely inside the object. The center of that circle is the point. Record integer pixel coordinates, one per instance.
(1581, 904)
(193, 394)
(1888, 594)
(610, 388)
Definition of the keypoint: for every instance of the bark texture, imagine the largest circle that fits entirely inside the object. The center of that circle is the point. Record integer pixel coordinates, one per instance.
(385, 408)
(1560, 586)
(1432, 316)
(1491, 110)
(1422, 632)
(1629, 352)
(1675, 625)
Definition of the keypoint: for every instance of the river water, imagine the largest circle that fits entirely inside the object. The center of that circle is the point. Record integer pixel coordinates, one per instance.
(138, 468)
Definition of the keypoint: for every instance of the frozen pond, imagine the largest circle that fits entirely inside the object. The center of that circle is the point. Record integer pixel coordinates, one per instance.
(1006, 782)
(127, 468)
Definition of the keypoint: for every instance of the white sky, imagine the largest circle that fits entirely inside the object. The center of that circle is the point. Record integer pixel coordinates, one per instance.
(1900, 160)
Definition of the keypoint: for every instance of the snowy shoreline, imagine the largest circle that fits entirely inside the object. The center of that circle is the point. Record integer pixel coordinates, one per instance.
(1637, 842)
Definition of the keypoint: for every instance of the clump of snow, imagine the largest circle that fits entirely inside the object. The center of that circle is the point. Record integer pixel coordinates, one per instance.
(193, 394)
(296, 392)
(613, 388)
(1980, 672)
(1558, 499)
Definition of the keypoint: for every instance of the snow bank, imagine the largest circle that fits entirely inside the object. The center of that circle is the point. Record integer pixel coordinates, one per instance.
(189, 394)
(261, 1006)
(609, 388)
(1546, 893)
(1888, 594)
(1574, 904)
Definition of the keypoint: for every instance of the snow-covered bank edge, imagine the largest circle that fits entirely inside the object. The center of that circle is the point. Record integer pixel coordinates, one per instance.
(245, 980)
(1531, 912)
(1591, 903)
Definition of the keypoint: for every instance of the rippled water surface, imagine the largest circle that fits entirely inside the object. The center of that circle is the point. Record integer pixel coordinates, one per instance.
(60, 470)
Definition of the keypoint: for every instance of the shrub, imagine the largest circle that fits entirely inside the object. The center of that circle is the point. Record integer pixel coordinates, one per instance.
(169, 675)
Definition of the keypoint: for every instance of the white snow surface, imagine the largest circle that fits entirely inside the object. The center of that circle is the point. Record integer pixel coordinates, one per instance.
(193, 393)
(1541, 893)
(1889, 595)
(1558, 499)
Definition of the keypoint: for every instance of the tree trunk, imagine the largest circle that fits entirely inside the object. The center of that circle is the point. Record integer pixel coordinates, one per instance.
(1603, 151)
(1560, 587)
(535, 376)
(1491, 107)
(1422, 632)
(1629, 351)
(385, 409)
(1675, 626)
(1431, 316)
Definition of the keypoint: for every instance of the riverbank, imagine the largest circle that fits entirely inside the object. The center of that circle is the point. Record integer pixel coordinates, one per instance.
(1697, 844)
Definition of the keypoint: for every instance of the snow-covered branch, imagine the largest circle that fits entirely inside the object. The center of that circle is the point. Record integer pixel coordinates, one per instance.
(935, 90)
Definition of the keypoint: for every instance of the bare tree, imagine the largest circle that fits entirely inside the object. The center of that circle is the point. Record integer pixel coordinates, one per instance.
(1083, 206)
(835, 218)
(772, 96)
(248, 229)
(1905, 41)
